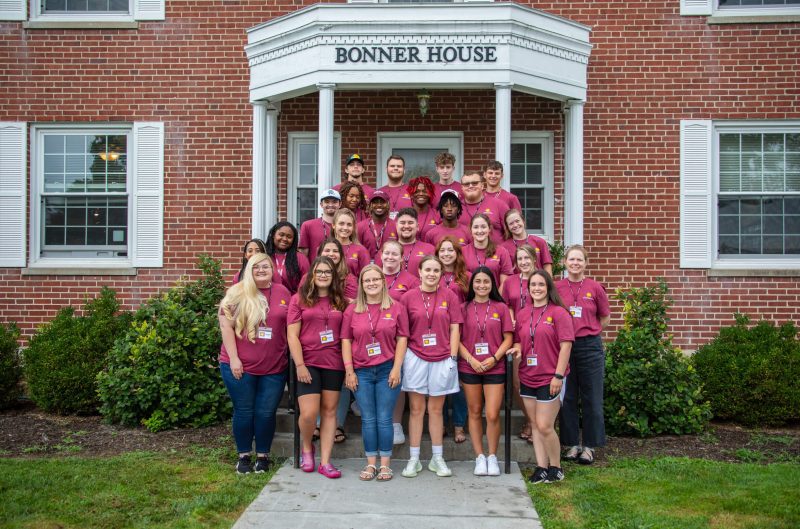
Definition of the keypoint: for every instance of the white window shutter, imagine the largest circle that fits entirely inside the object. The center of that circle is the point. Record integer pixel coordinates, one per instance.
(12, 193)
(696, 194)
(147, 221)
(148, 9)
(697, 7)
(13, 9)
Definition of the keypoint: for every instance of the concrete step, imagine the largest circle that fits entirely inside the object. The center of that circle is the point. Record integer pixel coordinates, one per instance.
(353, 447)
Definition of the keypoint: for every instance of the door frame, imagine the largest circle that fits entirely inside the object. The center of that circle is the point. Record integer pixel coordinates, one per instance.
(453, 141)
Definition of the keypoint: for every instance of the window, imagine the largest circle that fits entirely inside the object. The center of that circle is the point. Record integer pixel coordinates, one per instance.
(50, 7)
(99, 13)
(96, 195)
(302, 185)
(740, 195)
(725, 9)
(749, 4)
(418, 149)
(531, 179)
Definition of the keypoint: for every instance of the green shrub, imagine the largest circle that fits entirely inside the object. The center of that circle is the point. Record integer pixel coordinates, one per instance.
(10, 371)
(752, 374)
(557, 250)
(650, 388)
(64, 356)
(163, 373)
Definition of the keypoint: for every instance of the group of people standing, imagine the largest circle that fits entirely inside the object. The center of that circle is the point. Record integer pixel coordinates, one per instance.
(419, 289)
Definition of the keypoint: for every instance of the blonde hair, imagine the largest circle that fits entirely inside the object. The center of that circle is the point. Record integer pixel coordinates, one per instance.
(361, 297)
(244, 303)
(344, 212)
(578, 247)
(528, 249)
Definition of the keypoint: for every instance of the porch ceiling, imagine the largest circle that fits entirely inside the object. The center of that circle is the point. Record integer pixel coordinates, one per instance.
(376, 46)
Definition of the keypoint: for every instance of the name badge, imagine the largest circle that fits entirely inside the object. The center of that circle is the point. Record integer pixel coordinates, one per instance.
(575, 311)
(265, 333)
(481, 349)
(532, 361)
(393, 215)
(373, 349)
(326, 336)
(428, 340)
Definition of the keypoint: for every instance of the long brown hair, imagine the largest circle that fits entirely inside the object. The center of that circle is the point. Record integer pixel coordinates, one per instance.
(490, 247)
(459, 267)
(308, 293)
(341, 268)
(552, 292)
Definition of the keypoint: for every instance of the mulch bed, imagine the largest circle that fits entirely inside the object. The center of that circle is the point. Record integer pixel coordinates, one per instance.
(26, 431)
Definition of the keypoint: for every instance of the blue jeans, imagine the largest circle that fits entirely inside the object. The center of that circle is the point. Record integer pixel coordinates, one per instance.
(376, 400)
(255, 399)
(459, 403)
(583, 399)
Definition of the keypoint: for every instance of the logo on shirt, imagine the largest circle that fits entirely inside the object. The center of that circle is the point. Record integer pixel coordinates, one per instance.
(537, 250)
(443, 305)
(400, 286)
(354, 256)
(392, 234)
(549, 320)
(487, 210)
(420, 253)
(387, 316)
(588, 295)
(494, 257)
(283, 302)
(461, 240)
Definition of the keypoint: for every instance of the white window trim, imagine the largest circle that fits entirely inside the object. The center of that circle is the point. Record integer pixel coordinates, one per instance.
(700, 185)
(293, 171)
(154, 161)
(137, 10)
(710, 8)
(546, 138)
(452, 141)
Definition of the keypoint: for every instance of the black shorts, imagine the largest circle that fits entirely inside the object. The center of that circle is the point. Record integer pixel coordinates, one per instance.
(321, 379)
(542, 393)
(474, 378)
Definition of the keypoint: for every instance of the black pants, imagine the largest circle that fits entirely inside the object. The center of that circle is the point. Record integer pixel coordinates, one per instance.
(583, 400)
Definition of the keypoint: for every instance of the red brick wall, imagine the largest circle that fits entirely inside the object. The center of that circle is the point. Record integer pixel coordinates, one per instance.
(649, 69)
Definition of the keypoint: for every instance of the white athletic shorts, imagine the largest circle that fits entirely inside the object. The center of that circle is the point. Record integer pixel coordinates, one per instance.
(429, 378)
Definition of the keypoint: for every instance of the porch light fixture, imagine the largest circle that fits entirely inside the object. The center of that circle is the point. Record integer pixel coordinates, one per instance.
(423, 97)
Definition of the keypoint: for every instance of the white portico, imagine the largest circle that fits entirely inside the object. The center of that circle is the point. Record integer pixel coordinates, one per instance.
(338, 47)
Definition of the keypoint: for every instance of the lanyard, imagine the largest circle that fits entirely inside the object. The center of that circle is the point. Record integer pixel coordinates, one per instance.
(477, 206)
(269, 300)
(378, 238)
(407, 256)
(522, 243)
(324, 227)
(396, 276)
(448, 278)
(372, 329)
(280, 266)
(327, 313)
(523, 293)
(485, 318)
(425, 222)
(428, 314)
(533, 327)
(575, 295)
(485, 257)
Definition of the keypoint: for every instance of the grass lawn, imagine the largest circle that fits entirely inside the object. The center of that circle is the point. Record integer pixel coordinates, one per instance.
(196, 488)
(672, 493)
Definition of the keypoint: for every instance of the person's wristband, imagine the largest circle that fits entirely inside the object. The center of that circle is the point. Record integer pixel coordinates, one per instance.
(300, 365)
(558, 376)
(348, 364)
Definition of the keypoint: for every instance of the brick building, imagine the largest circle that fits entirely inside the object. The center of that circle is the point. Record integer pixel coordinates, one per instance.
(136, 135)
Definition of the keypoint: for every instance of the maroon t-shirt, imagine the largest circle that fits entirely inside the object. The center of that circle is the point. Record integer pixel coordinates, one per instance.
(506, 197)
(593, 302)
(492, 208)
(313, 321)
(400, 283)
(499, 262)
(431, 313)
(412, 256)
(383, 326)
(426, 221)
(356, 257)
(312, 233)
(398, 197)
(484, 323)
(455, 185)
(437, 233)
(539, 245)
(448, 281)
(280, 275)
(373, 235)
(267, 356)
(550, 325)
(515, 292)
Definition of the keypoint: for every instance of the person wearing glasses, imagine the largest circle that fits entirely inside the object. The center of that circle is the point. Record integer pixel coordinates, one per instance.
(374, 342)
(477, 201)
(252, 359)
(314, 333)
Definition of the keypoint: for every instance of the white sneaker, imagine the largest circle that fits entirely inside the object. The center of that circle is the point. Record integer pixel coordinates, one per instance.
(399, 436)
(438, 465)
(492, 467)
(355, 409)
(413, 467)
(480, 466)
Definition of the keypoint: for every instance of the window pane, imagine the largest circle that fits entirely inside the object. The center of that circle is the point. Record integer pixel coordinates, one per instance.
(84, 6)
(419, 162)
(87, 221)
(752, 225)
(527, 183)
(517, 153)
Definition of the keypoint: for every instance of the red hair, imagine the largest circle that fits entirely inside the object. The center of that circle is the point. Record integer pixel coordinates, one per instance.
(411, 188)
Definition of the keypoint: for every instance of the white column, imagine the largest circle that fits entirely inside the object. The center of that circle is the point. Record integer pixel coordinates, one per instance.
(271, 188)
(573, 173)
(502, 131)
(259, 168)
(325, 145)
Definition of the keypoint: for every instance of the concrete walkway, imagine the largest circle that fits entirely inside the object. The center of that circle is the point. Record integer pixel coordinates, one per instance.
(299, 500)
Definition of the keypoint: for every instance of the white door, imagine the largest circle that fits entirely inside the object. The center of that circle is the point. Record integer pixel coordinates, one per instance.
(419, 149)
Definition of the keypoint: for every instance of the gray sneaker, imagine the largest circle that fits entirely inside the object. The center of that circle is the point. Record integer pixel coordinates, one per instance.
(438, 465)
(413, 467)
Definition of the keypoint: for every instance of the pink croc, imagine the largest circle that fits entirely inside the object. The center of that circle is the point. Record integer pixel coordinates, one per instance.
(329, 471)
(307, 461)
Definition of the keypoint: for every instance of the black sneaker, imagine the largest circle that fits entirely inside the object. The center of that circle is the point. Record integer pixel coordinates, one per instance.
(554, 474)
(539, 476)
(244, 466)
(262, 464)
